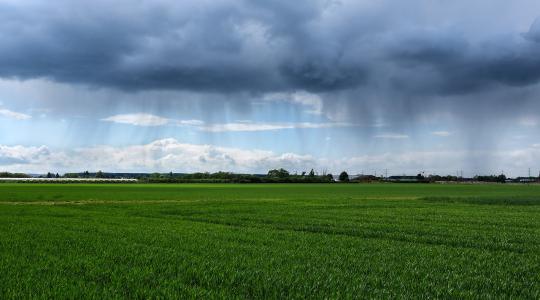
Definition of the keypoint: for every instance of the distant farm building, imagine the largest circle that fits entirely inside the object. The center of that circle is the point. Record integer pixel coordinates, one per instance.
(404, 179)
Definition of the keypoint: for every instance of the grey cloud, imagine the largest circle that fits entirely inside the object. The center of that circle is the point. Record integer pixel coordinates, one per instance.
(255, 46)
(534, 32)
(449, 64)
(210, 46)
(369, 61)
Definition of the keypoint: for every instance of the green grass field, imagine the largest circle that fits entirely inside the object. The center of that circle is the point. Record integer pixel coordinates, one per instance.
(269, 241)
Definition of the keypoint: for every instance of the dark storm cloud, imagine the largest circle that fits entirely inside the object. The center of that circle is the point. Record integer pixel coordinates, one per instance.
(241, 46)
(196, 45)
(457, 66)
(355, 48)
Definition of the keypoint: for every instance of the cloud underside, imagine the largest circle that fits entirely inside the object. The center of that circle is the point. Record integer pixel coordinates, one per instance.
(261, 46)
(172, 155)
(344, 60)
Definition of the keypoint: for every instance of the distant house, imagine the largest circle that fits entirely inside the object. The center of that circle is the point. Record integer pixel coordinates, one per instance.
(526, 179)
(365, 178)
(404, 179)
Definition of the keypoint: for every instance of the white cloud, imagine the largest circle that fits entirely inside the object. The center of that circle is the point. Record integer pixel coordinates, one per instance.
(441, 133)
(189, 122)
(172, 155)
(246, 126)
(10, 155)
(379, 124)
(394, 136)
(142, 119)
(149, 120)
(14, 115)
(139, 119)
(161, 155)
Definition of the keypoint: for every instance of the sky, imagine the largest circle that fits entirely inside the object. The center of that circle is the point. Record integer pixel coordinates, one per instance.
(369, 87)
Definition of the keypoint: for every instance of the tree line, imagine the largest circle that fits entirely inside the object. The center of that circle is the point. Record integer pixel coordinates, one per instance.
(273, 176)
(13, 175)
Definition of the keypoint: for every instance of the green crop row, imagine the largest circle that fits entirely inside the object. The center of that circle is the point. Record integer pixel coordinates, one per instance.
(269, 241)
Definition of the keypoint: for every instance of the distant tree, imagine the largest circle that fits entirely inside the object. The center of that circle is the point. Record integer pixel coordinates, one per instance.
(281, 173)
(86, 174)
(49, 175)
(490, 178)
(311, 173)
(99, 174)
(344, 177)
(304, 173)
(57, 175)
(330, 177)
(420, 177)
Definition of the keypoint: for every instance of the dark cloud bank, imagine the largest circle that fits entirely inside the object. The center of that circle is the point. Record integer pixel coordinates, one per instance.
(376, 59)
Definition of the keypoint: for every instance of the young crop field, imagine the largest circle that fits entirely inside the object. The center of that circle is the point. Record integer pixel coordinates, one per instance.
(269, 241)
